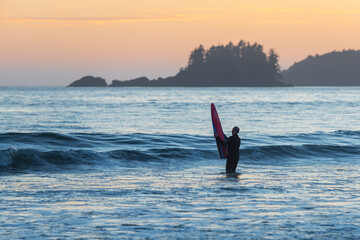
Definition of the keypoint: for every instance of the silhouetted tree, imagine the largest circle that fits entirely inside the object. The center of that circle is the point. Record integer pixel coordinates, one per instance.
(197, 57)
(274, 66)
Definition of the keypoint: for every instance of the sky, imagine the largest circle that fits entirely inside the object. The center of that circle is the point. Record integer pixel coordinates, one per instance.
(54, 42)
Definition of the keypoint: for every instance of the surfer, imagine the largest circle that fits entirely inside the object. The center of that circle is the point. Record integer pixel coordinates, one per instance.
(233, 145)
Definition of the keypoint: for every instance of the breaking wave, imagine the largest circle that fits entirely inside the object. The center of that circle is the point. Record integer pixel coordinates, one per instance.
(26, 152)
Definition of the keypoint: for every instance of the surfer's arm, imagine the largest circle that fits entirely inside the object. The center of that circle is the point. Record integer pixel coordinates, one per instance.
(221, 141)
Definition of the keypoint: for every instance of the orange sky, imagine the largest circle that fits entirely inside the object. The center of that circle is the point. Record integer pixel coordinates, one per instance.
(53, 42)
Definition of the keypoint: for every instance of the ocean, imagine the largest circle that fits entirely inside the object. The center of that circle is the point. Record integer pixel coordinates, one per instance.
(142, 163)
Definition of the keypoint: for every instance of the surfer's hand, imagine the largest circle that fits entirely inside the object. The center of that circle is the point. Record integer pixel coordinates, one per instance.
(215, 135)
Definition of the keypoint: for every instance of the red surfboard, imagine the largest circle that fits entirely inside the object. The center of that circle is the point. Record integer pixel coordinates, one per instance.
(218, 130)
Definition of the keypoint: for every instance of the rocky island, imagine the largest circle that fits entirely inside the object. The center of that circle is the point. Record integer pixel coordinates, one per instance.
(89, 81)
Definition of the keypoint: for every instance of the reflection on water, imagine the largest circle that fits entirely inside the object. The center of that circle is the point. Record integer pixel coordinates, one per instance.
(190, 202)
(233, 176)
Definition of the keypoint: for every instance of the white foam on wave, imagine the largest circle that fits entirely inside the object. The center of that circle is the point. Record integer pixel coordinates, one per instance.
(6, 156)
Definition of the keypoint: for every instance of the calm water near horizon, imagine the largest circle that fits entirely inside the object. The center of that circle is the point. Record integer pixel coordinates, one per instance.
(141, 163)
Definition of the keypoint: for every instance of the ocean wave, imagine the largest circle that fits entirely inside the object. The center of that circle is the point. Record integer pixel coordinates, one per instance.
(347, 133)
(98, 141)
(301, 152)
(25, 160)
(34, 160)
(22, 152)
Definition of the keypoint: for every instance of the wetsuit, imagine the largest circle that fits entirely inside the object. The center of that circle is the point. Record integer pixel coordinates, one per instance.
(233, 145)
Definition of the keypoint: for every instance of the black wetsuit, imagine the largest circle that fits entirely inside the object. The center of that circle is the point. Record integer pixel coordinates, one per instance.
(233, 145)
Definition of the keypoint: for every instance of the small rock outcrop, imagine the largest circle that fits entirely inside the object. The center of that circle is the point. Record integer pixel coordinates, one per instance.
(89, 81)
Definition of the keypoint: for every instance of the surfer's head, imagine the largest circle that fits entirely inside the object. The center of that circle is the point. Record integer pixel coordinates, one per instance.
(235, 130)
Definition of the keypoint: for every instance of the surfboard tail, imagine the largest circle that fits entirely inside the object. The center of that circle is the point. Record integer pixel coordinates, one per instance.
(218, 130)
(218, 144)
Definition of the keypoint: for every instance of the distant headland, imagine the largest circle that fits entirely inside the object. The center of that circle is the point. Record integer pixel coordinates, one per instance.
(240, 65)
(331, 69)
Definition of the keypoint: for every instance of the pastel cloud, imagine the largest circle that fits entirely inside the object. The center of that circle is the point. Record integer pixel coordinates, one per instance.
(275, 22)
(99, 20)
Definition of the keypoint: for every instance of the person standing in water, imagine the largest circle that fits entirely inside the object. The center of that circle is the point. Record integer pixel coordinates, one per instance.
(233, 145)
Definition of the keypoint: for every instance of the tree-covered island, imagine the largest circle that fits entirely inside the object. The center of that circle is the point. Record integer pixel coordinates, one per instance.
(240, 65)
